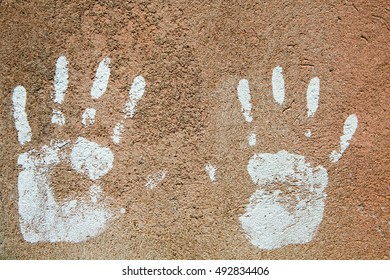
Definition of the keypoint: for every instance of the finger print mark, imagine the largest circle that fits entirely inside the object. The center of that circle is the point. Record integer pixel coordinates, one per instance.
(100, 83)
(211, 170)
(278, 90)
(244, 96)
(350, 126)
(135, 94)
(19, 97)
(154, 180)
(313, 96)
(61, 82)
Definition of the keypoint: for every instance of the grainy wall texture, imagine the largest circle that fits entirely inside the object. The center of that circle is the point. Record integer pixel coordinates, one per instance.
(192, 56)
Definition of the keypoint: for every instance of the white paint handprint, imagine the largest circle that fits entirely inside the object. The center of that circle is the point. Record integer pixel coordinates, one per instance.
(43, 218)
(288, 205)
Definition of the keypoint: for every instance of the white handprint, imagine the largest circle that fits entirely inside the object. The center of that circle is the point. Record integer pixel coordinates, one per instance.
(288, 205)
(42, 216)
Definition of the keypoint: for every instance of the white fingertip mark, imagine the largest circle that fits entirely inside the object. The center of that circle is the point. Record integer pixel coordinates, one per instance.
(60, 79)
(308, 133)
(252, 139)
(44, 219)
(136, 92)
(278, 89)
(88, 117)
(154, 180)
(313, 96)
(350, 126)
(244, 96)
(118, 131)
(90, 159)
(288, 205)
(101, 79)
(211, 171)
(19, 97)
(57, 117)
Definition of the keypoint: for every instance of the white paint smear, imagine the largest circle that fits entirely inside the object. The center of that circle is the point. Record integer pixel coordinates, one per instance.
(313, 96)
(136, 92)
(45, 219)
(118, 131)
(244, 97)
(19, 97)
(90, 159)
(101, 79)
(88, 117)
(57, 117)
(278, 89)
(154, 180)
(252, 139)
(211, 171)
(61, 79)
(308, 133)
(350, 126)
(288, 206)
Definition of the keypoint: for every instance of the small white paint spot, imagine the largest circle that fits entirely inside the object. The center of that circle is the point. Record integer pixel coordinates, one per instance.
(288, 205)
(19, 97)
(118, 131)
(313, 96)
(278, 89)
(61, 79)
(43, 218)
(350, 126)
(88, 117)
(308, 133)
(122, 211)
(252, 139)
(154, 180)
(211, 171)
(244, 96)
(136, 92)
(100, 83)
(90, 159)
(57, 117)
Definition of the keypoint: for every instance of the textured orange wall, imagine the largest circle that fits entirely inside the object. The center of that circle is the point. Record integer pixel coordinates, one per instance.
(192, 56)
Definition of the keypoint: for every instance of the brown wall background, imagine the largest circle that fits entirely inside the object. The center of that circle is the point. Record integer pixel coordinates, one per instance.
(192, 55)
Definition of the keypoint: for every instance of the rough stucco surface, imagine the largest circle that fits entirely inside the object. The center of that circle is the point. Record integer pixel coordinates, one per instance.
(192, 56)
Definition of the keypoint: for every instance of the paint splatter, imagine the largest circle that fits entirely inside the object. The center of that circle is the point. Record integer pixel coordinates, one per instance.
(211, 170)
(154, 180)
